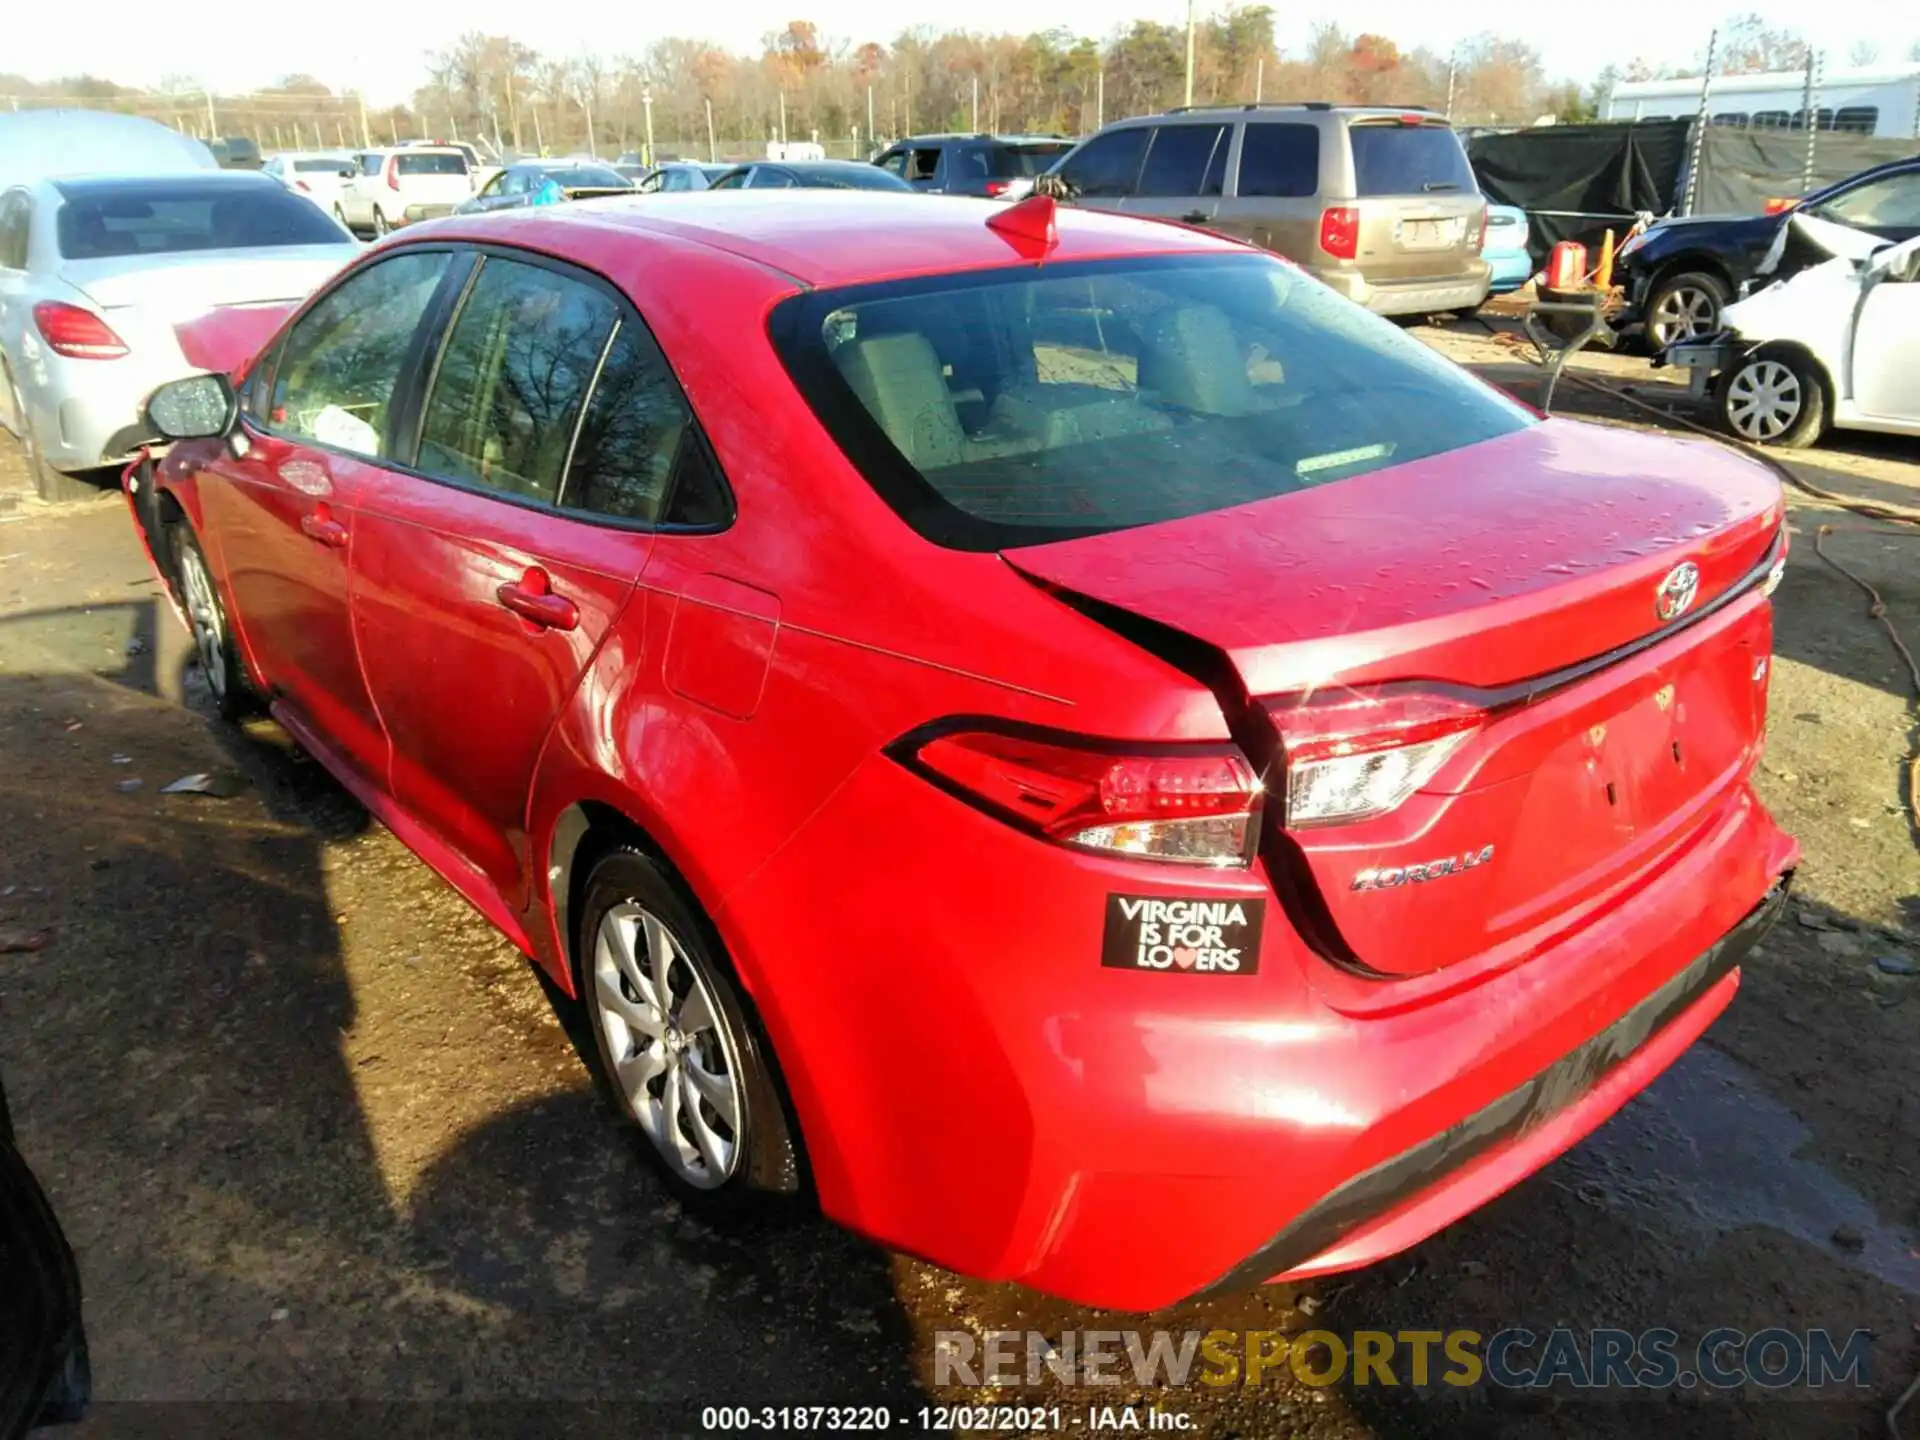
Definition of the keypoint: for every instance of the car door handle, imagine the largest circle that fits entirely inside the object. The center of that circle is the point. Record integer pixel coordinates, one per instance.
(531, 597)
(319, 524)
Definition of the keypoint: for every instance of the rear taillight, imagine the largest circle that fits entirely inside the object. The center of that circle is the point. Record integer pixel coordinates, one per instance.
(75, 333)
(1340, 231)
(1196, 805)
(1477, 234)
(998, 187)
(1354, 754)
(301, 186)
(393, 172)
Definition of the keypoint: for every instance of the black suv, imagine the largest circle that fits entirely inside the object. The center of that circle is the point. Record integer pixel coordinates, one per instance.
(989, 165)
(1680, 272)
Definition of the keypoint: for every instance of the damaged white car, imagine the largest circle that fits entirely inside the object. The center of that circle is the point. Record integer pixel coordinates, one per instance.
(1837, 345)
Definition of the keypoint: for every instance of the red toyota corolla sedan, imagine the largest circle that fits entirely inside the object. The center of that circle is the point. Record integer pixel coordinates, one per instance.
(1108, 764)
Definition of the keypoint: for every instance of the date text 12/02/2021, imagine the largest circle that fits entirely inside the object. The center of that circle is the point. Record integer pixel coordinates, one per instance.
(945, 1419)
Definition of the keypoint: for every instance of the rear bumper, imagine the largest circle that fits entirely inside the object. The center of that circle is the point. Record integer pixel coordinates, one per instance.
(413, 214)
(1508, 271)
(90, 413)
(1407, 1198)
(1465, 290)
(974, 1086)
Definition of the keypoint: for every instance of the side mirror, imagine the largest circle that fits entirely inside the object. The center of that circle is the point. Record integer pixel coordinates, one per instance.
(346, 172)
(196, 408)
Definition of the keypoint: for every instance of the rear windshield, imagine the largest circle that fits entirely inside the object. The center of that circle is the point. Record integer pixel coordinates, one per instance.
(165, 217)
(430, 164)
(327, 164)
(1395, 159)
(1013, 407)
(1014, 162)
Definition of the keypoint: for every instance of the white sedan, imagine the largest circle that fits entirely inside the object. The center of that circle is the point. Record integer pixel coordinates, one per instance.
(1836, 346)
(319, 175)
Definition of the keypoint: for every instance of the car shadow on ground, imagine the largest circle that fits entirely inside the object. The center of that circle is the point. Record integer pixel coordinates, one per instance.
(178, 1039)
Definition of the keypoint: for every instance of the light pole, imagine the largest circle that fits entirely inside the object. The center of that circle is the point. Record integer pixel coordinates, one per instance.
(646, 107)
(1189, 52)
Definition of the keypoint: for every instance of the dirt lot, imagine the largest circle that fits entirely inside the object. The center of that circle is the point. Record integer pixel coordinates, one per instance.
(318, 1135)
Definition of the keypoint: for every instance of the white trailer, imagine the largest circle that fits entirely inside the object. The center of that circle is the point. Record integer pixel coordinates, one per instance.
(1859, 102)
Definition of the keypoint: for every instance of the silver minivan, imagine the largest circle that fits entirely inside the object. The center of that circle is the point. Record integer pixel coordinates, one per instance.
(1380, 203)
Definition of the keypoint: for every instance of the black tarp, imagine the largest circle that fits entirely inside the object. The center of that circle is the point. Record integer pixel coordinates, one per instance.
(1740, 170)
(1575, 181)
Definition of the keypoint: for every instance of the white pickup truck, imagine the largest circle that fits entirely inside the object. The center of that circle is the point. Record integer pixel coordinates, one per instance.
(402, 184)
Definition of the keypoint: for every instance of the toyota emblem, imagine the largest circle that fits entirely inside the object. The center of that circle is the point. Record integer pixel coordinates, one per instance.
(1676, 593)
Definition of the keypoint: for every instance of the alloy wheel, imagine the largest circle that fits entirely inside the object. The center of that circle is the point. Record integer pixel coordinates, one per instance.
(203, 614)
(676, 1065)
(1764, 399)
(1685, 312)
(380, 225)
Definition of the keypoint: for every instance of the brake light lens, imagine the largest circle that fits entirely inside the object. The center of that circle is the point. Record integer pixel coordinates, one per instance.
(997, 188)
(393, 172)
(1354, 754)
(75, 333)
(302, 187)
(1478, 236)
(1340, 231)
(1197, 806)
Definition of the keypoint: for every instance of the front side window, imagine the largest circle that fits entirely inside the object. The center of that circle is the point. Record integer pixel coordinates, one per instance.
(340, 364)
(894, 162)
(1107, 165)
(765, 177)
(1003, 408)
(923, 164)
(732, 180)
(513, 374)
(1180, 162)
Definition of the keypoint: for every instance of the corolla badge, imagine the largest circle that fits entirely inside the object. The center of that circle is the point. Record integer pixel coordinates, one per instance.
(1676, 593)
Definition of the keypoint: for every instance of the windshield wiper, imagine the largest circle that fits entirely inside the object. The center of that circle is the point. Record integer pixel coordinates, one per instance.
(1433, 185)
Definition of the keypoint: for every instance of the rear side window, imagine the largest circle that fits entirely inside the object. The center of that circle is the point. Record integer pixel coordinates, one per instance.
(16, 212)
(1011, 407)
(432, 164)
(1395, 159)
(174, 216)
(1280, 161)
(341, 362)
(1180, 161)
(639, 456)
(1108, 164)
(513, 375)
(326, 165)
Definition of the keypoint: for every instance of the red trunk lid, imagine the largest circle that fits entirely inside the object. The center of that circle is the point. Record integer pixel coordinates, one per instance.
(1486, 567)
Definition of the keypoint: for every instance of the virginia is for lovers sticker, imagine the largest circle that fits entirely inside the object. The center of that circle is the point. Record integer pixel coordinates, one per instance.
(1200, 937)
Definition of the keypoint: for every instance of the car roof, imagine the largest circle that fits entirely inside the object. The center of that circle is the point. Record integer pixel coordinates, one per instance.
(952, 137)
(829, 237)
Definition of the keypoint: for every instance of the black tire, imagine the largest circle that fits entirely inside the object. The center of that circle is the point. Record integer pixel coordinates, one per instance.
(765, 1156)
(51, 485)
(1685, 306)
(213, 649)
(1773, 397)
(381, 228)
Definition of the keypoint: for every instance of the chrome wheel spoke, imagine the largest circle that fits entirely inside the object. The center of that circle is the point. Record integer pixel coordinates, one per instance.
(635, 1071)
(696, 1015)
(715, 1149)
(637, 1016)
(616, 943)
(716, 1090)
(660, 953)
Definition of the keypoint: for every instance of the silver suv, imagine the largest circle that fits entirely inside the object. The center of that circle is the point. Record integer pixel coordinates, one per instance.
(1379, 203)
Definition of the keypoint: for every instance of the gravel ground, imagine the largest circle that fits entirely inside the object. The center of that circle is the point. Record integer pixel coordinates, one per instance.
(317, 1134)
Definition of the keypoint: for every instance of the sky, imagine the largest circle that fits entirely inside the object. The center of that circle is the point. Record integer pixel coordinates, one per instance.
(381, 47)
